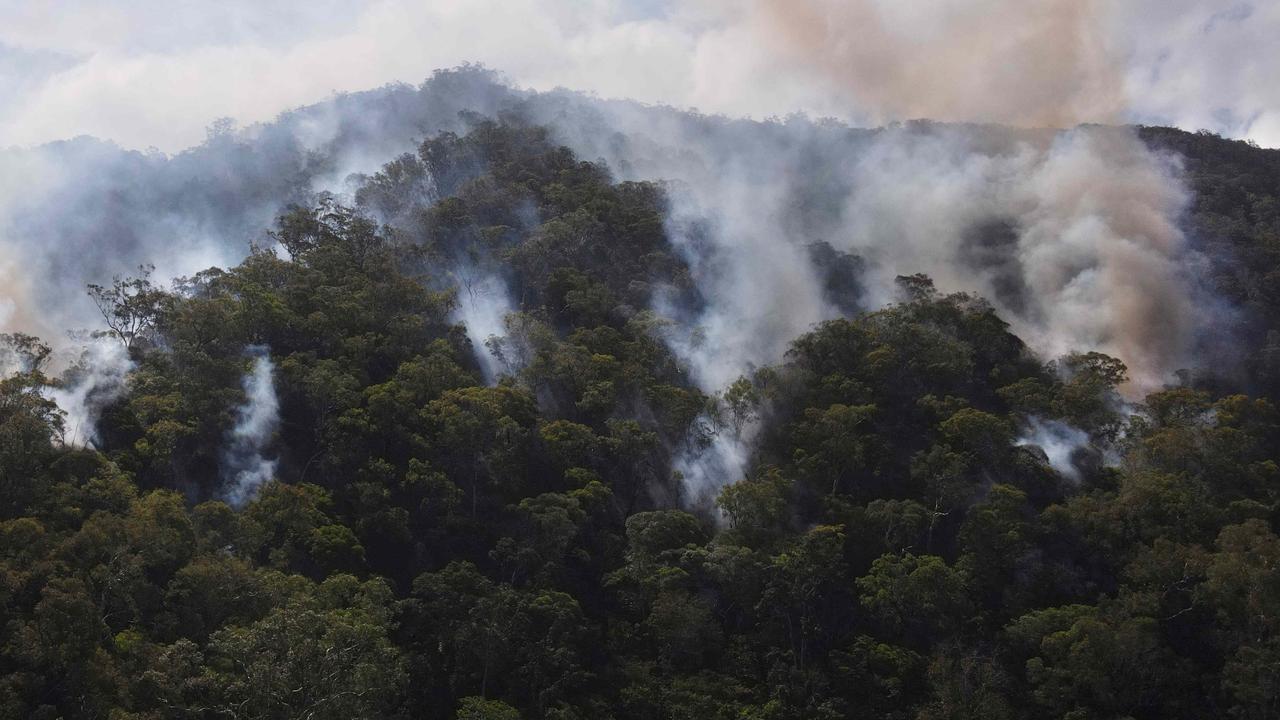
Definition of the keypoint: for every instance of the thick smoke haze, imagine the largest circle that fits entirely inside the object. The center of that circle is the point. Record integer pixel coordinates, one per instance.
(85, 210)
(1035, 63)
(560, 359)
(1070, 229)
(1073, 235)
(149, 73)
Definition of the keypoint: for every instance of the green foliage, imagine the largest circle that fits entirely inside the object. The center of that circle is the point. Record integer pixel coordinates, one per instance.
(474, 708)
(132, 307)
(437, 547)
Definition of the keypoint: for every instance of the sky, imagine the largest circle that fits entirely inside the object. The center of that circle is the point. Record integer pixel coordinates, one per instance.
(157, 73)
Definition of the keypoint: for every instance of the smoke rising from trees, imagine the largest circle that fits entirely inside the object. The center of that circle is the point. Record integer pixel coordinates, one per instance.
(245, 466)
(1073, 235)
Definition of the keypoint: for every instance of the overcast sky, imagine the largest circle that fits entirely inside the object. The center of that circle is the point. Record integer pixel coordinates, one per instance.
(156, 73)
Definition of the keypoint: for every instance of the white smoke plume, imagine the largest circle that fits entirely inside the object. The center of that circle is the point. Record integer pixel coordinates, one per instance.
(245, 466)
(735, 216)
(483, 305)
(96, 376)
(761, 288)
(720, 450)
(706, 468)
(1059, 442)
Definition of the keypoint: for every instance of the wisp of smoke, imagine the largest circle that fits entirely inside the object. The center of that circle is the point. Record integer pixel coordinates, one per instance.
(761, 289)
(708, 466)
(718, 452)
(1059, 441)
(483, 305)
(244, 465)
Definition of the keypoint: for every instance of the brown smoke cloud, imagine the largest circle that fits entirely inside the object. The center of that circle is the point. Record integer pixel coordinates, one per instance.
(1098, 247)
(1103, 253)
(1032, 63)
(1091, 257)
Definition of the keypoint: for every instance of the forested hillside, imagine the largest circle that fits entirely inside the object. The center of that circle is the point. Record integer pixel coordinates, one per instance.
(1235, 222)
(318, 495)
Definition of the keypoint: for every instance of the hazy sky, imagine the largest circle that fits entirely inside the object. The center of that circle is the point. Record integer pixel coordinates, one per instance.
(157, 72)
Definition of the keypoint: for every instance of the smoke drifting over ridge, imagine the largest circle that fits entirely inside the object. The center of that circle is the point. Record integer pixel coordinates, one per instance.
(1086, 253)
(148, 73)
(746, 200)
(1094, 214)
(84, 210)
(245, 466)
(1073, 238)
(1072, 234)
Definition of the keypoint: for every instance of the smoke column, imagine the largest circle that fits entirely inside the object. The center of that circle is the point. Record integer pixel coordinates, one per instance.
(1091, 256)
(97, 377)
(483, 305)
(1072, 236)
(244, 465)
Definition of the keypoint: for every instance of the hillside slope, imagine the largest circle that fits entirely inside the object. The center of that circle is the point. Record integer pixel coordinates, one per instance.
(484, 432)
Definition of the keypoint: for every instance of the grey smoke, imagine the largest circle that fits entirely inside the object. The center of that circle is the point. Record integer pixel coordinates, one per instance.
(718, 451)
(245, 465)
(1093, 257)
(85, 210)
(93, 373)
(1059, 441)
(708, 465)
(151, 73)
(97, 375)
(483, 305)
(1093, 210)
(1072, 234)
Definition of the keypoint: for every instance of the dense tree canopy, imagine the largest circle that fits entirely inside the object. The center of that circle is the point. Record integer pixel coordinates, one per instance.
(435, 546)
